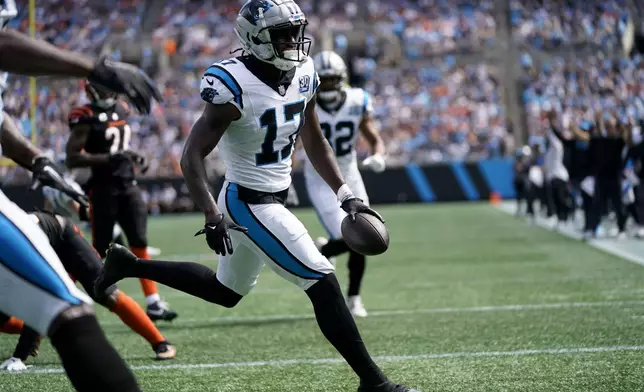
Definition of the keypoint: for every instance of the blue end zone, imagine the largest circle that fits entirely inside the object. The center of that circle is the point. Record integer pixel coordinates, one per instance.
(498, 174)
(19, 255)
(242, 215)
(465, 181)
(420, 183)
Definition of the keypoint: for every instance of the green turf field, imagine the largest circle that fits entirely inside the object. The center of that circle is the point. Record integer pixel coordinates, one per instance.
(466, 299)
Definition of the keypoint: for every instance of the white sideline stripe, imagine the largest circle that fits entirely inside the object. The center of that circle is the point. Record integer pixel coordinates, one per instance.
(603, 245)
(386, 358)
(385, 313)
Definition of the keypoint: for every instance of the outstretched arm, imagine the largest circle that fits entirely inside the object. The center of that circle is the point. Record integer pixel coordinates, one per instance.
(319, 151)
(23, 55)
(15, 146)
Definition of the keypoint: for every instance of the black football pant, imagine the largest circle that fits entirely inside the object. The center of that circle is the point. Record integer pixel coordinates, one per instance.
(125, 206)
(78, 257)
(558, 199)
(525, 192)
(638, 206)
(608, 190)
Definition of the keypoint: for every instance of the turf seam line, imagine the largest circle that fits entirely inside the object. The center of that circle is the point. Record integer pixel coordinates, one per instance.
(386, 358)
(386, 313)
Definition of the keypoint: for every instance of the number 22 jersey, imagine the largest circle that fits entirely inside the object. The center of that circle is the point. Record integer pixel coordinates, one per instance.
(257, 147)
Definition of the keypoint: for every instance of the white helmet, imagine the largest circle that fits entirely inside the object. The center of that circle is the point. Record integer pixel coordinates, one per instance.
(8, 11)
(330, 66)
(273, 32)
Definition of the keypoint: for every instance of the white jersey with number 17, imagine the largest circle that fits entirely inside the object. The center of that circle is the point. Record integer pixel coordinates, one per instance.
(257, 148)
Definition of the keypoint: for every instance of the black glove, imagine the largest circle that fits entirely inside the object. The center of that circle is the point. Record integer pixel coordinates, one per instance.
(354, 205)
(125, 79)
(45, 174)
(217, 235)
(136, 158)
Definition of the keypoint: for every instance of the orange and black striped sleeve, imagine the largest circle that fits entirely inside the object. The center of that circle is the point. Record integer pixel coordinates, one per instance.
(81, 115)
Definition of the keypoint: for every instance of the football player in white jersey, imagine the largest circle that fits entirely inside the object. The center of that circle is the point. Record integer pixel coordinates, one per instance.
(256, 106)
(34, 286)
(343, 112)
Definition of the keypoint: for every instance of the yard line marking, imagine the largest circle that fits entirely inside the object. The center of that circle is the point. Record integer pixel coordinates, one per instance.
(386, 358)
(385, 313)
(606, 245)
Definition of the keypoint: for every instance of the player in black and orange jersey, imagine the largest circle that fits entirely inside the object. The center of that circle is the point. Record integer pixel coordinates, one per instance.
(100, 139)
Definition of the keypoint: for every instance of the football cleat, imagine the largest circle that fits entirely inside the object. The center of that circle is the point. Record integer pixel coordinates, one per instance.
(387, 387)
(119, 263)
(164, 351)
(319, 243)
(159, 311)
(356, 307)
(14, 365)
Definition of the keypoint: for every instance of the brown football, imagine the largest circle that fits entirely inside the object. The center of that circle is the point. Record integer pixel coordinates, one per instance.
(367, 235)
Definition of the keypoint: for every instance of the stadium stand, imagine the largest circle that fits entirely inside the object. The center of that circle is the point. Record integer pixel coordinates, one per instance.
(430, 105)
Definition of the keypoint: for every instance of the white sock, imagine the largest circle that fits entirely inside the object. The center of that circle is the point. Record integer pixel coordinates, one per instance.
(152, 299)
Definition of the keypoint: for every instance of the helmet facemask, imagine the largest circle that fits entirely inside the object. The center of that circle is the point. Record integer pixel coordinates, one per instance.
(274, 33)
(99, 95)
(330, 88)
(287, 45)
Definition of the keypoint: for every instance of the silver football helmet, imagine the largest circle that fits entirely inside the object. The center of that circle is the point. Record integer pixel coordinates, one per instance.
(273, 32)
(333, 75)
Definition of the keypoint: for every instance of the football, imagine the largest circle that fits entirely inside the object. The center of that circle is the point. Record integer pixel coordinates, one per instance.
(367, 235)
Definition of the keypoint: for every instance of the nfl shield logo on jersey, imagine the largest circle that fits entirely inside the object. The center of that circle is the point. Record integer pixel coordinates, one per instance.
(305, 83)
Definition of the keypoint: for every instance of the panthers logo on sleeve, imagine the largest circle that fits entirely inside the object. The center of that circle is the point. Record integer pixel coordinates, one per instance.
(219, 87)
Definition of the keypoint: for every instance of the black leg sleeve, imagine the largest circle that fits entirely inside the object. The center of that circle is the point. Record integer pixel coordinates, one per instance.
(339, 328)
(334, 248)
(91, 363)
(191, 278)
(357, 266)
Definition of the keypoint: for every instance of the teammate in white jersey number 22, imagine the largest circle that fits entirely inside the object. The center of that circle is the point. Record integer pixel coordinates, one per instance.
(343, 112)
(256, 107)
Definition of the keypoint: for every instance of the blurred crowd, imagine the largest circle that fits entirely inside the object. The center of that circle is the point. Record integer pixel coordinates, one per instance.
(428, 110)
(439, 111)
(552, 23)
(577, 90)
(428, 27)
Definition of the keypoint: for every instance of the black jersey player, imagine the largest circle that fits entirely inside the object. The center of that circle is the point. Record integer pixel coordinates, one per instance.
(100, 139)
